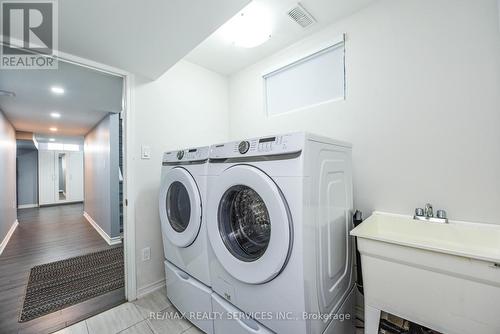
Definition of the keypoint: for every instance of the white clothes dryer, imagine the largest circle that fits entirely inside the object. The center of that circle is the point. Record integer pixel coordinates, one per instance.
(278, 221)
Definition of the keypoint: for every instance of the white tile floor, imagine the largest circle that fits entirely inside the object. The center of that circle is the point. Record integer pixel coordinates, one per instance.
(134, 318)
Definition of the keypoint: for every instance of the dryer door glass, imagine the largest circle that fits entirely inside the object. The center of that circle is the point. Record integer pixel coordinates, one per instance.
(244, 223)
(249, 224)
(178, 206)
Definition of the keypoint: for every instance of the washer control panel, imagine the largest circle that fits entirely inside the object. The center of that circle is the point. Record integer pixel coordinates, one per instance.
(273, 145)
(191, 154)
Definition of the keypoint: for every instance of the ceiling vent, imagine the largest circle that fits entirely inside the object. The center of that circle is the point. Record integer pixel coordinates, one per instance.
(300, 15)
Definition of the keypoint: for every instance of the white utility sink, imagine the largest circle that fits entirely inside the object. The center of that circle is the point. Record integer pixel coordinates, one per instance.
(443, 276)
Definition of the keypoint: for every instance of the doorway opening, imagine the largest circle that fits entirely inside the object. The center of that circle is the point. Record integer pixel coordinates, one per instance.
(61, 167)
(69, 194)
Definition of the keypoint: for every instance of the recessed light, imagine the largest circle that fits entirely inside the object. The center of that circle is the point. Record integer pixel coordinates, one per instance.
(53, 129)
(249, 28)
(55, 115)
(52, 139)
(57, 90)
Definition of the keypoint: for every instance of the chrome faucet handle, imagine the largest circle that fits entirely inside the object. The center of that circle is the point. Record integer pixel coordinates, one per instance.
(427, 215)
(441, 214)
(428, 210)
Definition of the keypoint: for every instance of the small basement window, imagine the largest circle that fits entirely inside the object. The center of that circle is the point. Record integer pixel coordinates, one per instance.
(316, 78)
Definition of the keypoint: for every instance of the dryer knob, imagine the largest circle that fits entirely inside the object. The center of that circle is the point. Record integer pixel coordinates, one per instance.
(180, 155)
(243, 147)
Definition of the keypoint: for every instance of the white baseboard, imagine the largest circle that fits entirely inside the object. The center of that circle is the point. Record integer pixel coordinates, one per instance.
(27, 206)
(102, 233)
(5, 240)
(142, 291)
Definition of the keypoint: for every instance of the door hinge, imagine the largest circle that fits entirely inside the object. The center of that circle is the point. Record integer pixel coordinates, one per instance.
(126, 202)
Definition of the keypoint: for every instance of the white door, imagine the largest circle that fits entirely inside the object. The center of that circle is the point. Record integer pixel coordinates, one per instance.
(75, 176)
(46, 177)
(248, 224)
(180, 207)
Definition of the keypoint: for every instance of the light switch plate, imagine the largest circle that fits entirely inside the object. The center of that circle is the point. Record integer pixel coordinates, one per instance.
(145, 152)
(146, 254)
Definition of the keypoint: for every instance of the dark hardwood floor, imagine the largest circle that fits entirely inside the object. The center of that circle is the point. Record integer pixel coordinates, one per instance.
(45, 235)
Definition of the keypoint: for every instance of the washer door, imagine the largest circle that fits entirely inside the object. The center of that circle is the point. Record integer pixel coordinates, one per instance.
(249, 225)
(180, 207)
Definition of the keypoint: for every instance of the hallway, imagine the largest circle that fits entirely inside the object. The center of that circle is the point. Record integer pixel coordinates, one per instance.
(45, 235)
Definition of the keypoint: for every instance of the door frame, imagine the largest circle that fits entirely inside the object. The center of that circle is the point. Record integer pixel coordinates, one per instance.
(128, 115)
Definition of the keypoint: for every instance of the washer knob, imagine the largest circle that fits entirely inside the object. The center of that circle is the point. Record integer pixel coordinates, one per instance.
(180, 155)
(243, 147)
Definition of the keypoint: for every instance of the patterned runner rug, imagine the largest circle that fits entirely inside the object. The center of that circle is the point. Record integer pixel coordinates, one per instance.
(54, 286)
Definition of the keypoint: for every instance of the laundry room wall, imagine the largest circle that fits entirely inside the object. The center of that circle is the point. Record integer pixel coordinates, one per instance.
(8, 211)
(422, 107)
(186, 107)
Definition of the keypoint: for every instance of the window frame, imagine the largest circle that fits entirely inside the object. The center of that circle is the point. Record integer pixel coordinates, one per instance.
(304, 56)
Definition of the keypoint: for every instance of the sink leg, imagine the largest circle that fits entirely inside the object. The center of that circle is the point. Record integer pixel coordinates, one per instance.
(372, 319)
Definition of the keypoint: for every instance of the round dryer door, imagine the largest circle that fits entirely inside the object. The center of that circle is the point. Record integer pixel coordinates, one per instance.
(180, 207)
(249, 225)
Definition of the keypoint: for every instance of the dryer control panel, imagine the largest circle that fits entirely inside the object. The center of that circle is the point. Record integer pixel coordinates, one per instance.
(187, 155)
(263, 146)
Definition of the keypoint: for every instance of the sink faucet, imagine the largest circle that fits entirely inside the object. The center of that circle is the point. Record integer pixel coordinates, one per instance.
(429, 213)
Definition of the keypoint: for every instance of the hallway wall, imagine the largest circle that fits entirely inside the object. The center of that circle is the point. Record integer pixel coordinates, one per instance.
(8, 212)
(101, 175)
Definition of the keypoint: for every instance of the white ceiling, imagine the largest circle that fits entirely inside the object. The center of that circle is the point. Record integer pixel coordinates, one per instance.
(219, 55)
(143, 37)
(89, 96)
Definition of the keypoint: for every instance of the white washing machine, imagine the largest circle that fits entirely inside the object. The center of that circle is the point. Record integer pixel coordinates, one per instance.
(278, 220)
(182, 202)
